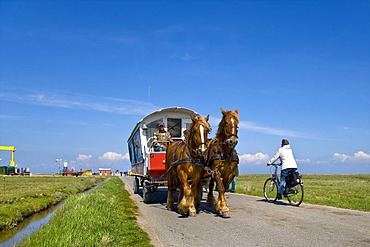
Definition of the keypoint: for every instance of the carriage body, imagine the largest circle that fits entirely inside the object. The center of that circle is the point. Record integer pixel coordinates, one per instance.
(147, 165)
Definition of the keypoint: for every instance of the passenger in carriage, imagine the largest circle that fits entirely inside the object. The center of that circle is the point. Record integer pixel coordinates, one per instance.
(163, 138)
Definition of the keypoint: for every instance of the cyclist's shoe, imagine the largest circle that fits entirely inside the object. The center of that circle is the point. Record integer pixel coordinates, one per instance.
(279, 196)
(291, 191)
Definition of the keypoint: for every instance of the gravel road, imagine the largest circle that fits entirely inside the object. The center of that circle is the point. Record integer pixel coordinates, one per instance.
(253, 222)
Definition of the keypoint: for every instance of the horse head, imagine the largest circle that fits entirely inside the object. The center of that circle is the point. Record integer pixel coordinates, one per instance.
(197, 134)
(228, 127)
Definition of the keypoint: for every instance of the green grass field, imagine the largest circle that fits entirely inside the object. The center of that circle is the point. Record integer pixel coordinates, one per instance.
(103, 217)
(344, 191)
(21, 197)
(107, 215)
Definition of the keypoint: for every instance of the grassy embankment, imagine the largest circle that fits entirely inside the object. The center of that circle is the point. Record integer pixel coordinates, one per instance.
(103, 217)
(344, 191)
(21, 197)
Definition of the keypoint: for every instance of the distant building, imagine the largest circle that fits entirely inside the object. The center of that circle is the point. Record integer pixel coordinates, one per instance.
(105, 172)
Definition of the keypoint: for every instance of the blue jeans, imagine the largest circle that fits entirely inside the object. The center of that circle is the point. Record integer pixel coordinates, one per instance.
(283, 175)
(232, 182)
(158, 149)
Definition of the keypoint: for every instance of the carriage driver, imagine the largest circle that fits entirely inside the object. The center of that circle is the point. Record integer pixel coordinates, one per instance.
(163, 138)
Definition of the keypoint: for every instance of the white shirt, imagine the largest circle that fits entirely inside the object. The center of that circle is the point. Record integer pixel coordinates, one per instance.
(285, 154)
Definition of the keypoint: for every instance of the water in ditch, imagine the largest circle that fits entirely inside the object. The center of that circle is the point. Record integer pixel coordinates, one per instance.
(13, 236)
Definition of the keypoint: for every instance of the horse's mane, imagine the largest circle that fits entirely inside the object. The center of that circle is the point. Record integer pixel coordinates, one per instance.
(222, 122)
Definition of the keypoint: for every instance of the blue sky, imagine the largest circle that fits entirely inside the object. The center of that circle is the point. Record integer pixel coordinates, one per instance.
(76, 76)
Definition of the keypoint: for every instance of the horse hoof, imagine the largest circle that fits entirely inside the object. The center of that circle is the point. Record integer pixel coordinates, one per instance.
(225, 215)
(181, 211)
(192, 214)
(170, 208)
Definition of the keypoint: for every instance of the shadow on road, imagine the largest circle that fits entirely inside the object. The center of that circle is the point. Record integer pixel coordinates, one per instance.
(159, 200)
(282, 203)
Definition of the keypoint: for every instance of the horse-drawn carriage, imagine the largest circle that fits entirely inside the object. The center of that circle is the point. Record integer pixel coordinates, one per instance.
(148, 165)
(188, 157)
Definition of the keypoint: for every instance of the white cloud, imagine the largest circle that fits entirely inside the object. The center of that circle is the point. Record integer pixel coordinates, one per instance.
(303, 161)
(340, 157)
(362, 155)
(358, 156)
(112, 156)
(250, 126)
(83, 157)
(267, 130)
(126, 156)
(257, 158)
(80, 102)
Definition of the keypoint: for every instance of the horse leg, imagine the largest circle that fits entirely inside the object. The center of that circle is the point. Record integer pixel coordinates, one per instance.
(224, 209)
(210, 197)
(194, 197)
(183, 205)
(181, 195)
(198, 195)
(221, 206)
(170, 188)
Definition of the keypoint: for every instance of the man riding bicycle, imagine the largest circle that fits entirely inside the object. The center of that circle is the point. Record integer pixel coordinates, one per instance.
(288, 163)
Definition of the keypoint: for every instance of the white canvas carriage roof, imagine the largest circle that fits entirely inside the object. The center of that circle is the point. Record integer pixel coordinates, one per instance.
(162, 112)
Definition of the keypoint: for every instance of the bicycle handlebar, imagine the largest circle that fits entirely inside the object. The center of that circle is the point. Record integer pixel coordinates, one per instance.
(274, 164)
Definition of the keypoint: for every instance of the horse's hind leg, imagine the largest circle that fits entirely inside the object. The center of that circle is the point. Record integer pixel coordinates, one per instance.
(199, 195)
(170, 187)
(210, 197)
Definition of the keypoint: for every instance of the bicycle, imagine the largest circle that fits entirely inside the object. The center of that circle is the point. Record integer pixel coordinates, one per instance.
(271, 187)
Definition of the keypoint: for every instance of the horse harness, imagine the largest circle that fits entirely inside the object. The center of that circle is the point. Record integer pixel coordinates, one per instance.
(180, 160)
(219, 155)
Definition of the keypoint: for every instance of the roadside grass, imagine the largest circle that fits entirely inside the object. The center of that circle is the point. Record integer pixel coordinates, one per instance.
(343, 191)
(103, 217)
(24, 196)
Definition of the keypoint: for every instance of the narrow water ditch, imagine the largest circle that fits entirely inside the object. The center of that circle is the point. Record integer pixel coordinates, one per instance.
(31, 224)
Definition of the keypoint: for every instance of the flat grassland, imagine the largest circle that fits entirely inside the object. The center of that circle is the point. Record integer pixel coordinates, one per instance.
(104, 217)
(107, 215)
(21, 197)
(343, 191)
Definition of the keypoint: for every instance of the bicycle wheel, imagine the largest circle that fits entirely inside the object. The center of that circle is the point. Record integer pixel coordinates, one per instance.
(270, 190)
(295, 195)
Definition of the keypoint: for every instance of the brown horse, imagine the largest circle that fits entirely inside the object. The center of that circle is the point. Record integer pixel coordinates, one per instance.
(185, 161)
(223, 159)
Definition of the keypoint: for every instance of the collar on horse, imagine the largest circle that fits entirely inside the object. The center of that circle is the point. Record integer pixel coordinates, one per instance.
(190, 159)
(221, 155)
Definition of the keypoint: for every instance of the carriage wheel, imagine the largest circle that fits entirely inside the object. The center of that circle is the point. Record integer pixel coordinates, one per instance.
(136, 185)
(147, 193)
(200, 191)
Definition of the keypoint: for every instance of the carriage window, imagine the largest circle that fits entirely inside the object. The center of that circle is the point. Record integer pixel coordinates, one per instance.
(174, 127)
(136, 154)
(153, 126)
